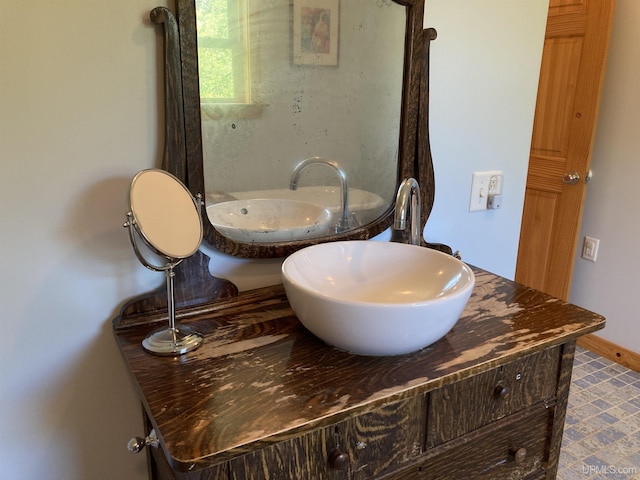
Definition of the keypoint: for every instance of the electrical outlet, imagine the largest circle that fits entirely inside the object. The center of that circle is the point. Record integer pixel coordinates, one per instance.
(482, 185)
(590, 248)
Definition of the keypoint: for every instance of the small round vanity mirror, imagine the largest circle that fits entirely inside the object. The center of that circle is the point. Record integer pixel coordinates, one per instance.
(164, 214)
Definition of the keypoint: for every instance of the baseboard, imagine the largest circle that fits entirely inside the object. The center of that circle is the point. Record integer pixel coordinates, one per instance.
(610, 350)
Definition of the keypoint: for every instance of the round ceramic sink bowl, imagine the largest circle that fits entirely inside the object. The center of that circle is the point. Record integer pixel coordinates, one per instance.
(376, 298)
(268, 219)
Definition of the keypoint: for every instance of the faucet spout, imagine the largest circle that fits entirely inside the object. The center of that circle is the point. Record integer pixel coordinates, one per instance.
(343, 223)
(408, 197)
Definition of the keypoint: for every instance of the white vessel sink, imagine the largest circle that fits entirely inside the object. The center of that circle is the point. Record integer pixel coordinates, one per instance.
(268, 220)
(376, 298)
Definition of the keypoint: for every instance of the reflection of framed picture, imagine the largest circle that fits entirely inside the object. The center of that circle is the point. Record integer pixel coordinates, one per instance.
(315, 32)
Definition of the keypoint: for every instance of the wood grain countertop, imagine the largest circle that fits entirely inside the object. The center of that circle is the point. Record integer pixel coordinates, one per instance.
(261, 377)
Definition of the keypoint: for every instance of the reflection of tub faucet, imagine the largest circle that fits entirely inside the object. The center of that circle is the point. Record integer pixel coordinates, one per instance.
(343, 223)
(409, 190)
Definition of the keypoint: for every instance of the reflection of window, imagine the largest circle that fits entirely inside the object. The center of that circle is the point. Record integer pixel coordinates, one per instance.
(223, 65)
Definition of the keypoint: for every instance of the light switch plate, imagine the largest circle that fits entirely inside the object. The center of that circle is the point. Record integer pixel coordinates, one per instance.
(481, 185)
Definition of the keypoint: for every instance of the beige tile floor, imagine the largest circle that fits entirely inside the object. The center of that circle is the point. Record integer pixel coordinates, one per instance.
(602, 430)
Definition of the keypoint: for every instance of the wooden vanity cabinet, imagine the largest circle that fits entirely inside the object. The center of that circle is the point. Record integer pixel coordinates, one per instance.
(264, 399)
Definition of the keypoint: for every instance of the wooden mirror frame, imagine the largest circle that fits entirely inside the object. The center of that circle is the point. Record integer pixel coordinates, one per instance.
(184, 153)
(182, 157)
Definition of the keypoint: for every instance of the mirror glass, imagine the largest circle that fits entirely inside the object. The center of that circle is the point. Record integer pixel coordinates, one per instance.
(289, 81)
(165, 214)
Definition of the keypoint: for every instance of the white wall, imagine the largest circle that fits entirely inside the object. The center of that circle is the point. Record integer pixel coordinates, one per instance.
(484, 78)
(79, 115)
(79, 96)
(611, 285)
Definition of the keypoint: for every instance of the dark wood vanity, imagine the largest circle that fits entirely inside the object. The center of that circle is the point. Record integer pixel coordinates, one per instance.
(263, 398)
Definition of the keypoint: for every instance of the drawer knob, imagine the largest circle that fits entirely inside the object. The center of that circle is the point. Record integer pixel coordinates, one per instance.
(518, 454)
(338, 460)
(501, 391)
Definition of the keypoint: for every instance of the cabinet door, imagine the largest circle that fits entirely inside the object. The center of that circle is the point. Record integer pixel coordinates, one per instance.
(159, 469)
(303, 457)
(385, 439)
(358, 448)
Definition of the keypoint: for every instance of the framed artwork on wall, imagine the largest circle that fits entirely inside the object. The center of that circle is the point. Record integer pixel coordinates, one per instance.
(315, 32)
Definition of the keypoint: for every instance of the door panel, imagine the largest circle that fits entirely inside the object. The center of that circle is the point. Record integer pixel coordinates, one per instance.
(556, 91)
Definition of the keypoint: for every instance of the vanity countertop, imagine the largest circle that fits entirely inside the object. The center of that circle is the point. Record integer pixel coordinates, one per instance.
(261, 377)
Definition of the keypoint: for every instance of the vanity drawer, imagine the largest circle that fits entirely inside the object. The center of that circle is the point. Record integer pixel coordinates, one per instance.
(358, 448)
(514, 447)
(467, 405)
(306, 456)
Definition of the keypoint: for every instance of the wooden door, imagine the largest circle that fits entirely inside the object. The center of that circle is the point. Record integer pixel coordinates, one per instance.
(571, 77)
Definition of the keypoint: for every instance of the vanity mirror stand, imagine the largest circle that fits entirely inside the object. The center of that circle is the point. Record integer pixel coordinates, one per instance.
(166, 218)
(263, 398)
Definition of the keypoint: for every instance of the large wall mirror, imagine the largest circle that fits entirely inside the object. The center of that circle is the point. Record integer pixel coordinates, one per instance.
(301, 117)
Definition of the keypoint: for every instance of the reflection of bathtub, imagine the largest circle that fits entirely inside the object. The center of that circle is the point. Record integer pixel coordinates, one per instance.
(328, 197)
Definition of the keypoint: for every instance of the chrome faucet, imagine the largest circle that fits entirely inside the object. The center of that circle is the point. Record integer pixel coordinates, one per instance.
(343, 223)
(409, 191)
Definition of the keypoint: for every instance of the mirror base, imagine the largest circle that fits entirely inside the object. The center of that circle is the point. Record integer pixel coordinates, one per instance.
(172, 341)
